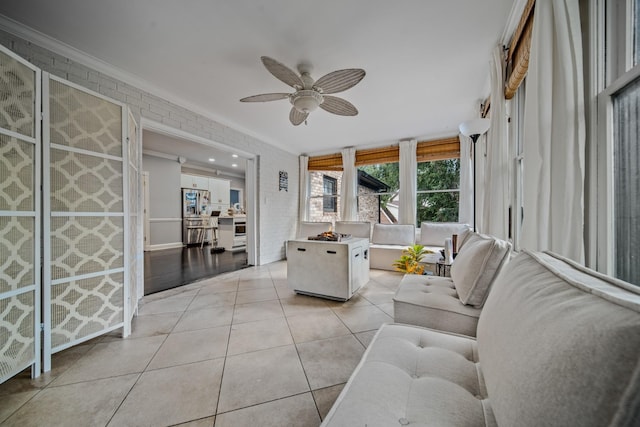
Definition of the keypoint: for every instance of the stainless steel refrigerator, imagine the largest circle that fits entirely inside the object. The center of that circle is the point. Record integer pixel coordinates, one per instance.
(195, 204)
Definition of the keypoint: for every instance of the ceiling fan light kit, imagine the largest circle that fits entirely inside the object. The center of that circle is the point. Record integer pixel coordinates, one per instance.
(310, 94)
(306, 101)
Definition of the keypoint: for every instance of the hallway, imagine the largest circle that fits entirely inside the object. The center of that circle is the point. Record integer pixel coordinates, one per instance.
(171, 268)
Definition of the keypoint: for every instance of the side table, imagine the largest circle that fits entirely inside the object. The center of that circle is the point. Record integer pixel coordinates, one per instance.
(443, 268)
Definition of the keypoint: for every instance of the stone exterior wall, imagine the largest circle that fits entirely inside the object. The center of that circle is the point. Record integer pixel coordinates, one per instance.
(316, 201)
(367, 206)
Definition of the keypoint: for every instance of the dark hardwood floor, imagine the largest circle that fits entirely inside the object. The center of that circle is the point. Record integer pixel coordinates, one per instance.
(171, 268)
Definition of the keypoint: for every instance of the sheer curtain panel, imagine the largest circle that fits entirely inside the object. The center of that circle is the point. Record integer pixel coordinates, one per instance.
(303, 197)
(495, 217)
(349, 189)
(465, 209)
(554, 133)
(408, 185)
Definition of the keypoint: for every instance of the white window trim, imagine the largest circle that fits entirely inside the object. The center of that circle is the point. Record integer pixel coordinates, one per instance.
(601, 141)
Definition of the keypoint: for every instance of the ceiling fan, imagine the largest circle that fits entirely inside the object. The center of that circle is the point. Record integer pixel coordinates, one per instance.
(310, 94)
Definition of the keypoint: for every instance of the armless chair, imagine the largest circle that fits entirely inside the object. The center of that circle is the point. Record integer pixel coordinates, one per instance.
(308, 228)
(355, 228)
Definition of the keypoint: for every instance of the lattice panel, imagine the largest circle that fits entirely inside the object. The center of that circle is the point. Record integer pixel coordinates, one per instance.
(134, 249)
(82, 183)
(16, 333)
(81, 120)
(134, 151)
(16, 252)
(133, 236)
(81, 245)
(81, 308)
(17, 96)
(16, 174)
(133, 265)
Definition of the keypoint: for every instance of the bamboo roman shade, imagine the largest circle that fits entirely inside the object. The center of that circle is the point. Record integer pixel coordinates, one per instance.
(440, 149)
(518, 58)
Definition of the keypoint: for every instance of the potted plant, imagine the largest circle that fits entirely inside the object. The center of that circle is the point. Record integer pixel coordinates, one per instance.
(409, 262)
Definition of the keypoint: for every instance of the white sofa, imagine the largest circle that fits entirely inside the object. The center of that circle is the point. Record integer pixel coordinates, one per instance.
(387, 243)
(557, 345)
(310, 228)
(389, 240)
(433, 234)
(453, 304)
(354, 228)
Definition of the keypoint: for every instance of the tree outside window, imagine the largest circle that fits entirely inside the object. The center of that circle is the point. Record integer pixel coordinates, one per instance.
(385, 200)
(438, 197)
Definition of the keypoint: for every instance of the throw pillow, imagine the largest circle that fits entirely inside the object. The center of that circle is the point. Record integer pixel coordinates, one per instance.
(476, 267)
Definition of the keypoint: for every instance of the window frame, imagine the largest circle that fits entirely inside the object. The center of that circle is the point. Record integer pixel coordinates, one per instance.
(332, 197)
(450, 190)
(611, 70)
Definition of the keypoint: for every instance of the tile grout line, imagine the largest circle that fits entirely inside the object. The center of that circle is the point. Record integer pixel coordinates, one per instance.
(295, 344)
(226, 354)
(149, 362)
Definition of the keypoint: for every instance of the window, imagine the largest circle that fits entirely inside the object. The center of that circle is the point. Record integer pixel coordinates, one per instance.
(626, 182)
(330, 186)
(438, 197)
(618, 152)
(324, 197)
(517, 135)
(378, 187)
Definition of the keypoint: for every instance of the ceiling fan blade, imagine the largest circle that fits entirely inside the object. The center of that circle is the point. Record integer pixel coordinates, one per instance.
(339, 106)
(296, 117)
(340, 80)
(282, 72)
(265, 97)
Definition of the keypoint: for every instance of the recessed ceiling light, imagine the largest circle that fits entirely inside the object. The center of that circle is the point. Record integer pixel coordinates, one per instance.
(235, 156)
(234, 165)
(212, 159)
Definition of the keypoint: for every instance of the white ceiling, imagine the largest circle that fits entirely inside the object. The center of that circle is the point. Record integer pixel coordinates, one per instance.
(427, 61)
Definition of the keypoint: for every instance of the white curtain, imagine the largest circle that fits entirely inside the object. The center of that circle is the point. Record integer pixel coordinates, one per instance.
(303, 195)
(408, 187)
(480, 171)
(495, 206)
(465, 207)
(349, 188)
(554, 133)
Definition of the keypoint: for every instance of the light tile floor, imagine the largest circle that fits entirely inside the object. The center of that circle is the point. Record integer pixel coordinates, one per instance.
(239, 349)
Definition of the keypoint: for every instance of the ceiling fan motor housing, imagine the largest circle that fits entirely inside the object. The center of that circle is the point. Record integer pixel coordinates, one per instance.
(306, 101)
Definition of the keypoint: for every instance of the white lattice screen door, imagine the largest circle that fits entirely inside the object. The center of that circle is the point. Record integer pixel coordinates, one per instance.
(20, 144)
(85, 216)
(135, 222)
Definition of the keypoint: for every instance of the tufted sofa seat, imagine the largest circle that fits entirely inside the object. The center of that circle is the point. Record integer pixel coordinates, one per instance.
(426, 375)
(433, 302)
(557, 345)
(453, 304)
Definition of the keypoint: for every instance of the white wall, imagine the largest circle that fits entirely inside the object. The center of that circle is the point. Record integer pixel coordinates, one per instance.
(277, 211)
(165, 200)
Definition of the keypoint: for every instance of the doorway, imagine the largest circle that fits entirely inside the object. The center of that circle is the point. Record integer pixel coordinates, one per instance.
(170, 158)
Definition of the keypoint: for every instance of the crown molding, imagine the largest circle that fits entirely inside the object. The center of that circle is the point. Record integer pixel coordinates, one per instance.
(40, 39)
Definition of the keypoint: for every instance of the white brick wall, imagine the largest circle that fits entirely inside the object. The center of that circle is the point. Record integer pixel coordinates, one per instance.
(277, 210)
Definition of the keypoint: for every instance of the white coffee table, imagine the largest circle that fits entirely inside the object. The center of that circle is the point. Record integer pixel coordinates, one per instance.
(333, 270)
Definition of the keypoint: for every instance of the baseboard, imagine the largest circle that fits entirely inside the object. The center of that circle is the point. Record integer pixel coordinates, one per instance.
(163, 246)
